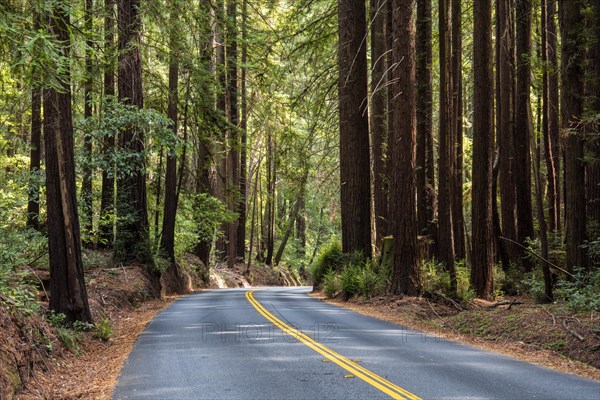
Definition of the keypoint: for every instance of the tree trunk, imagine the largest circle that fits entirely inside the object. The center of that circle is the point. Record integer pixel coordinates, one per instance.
(67, 285)
(522, 136)
(505, 107)
(86, 186)
(482, 257)
(446, 146)
(108, 174)
(170, 211)
(572, 85)
(354, 128)
(549, 149)
(405, 275)
(241, 234)
(132, 226)
(424, 75)
(33, 203)
(457, 125)
(593, 167)
(553, 103)
(233, 162)
(378, 123)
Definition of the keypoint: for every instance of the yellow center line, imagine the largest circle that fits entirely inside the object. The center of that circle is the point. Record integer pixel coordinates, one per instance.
(370, 377)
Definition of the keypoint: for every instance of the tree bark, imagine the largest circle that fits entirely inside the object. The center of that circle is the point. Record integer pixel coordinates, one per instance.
(553, 104)
(405, 274)
(593, 167)
(505, 106)
(108, 174)
(33, 203)
(458, 220)
(446, 146)
(233, 162)
(378, 123)
(424, 75)
(572, 85)
(483, 147)
(354, 128)
(86, 186)
(523, 125)
(132, 226)
(67, 285)
(170, 210)
(241, 234)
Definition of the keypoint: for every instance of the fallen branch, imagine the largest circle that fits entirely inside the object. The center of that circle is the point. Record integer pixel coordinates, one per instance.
(572, 332)
(443, 320)
(538, 256)
(458, 306)
(508, 303)
(550, 314)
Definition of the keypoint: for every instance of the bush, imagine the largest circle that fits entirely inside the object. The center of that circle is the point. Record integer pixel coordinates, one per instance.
(371, 282)
(103, 329)
(329, 259)
(350, 281)
(331, 284)
(582, 292)
(435, 280)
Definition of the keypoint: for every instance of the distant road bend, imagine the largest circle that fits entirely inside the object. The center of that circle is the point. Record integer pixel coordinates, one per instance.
(279, 343)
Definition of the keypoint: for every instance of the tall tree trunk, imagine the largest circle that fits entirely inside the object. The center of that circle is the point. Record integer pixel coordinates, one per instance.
(67, 285)
(86, 186)
(108, 174)
(170, 211)
(446, 145)
(233, 156)
(301, 225)
(505, 109)
(549, 150)
(221, 106)
(572, 85)
(458, 218)
(482, 257)
(553, 104)
(241, 234)
(522, 136)
(378, 123)
(424, 75)
(593, 167)
(132, 226)
(405, 274)
(354, 128)
(268, 225)
(33, 203)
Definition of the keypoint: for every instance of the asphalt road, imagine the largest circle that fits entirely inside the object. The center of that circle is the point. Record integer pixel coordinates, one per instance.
(279, 343)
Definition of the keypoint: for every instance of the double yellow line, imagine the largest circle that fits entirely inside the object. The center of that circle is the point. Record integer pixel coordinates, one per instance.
(371, 378)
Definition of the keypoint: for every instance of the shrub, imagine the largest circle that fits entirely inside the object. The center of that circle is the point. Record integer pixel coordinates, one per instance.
(371, 282)
(582, 292)
(103, 329)
(329, 259)
(350, 281)
(331, 284)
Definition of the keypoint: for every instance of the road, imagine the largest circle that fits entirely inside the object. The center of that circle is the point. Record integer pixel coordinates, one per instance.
(279, 343)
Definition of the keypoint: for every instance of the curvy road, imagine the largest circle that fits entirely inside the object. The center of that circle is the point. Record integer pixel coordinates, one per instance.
(279, 343)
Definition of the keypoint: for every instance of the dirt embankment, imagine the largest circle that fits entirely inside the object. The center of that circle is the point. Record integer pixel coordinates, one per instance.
(548, 335)
(34, 364)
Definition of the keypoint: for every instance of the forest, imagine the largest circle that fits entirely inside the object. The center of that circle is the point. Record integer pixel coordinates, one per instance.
(389, 146)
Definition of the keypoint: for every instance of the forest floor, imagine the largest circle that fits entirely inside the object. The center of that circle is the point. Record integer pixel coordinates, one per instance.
(69, 364)
(548, 335)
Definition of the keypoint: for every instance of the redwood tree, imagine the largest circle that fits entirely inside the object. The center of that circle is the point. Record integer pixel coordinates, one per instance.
(378, 122)
(482, 258)
(354, 129)
(67, 286)
(132, 240)
(572, 85)
(405, 278)
(522, 133)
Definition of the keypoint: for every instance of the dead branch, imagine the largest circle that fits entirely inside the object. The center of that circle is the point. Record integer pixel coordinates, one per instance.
(442, 319)
(508, 303)
(538, 256)
(550, 314)
(454, 303)
(572, 332)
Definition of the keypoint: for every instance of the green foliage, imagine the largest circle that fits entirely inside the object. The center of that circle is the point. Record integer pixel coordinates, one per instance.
(350, 281)
(372, 282)
(435, 280)
(103, 329)
(331, 284)
(582, 293)
(330, 257)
